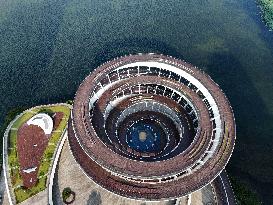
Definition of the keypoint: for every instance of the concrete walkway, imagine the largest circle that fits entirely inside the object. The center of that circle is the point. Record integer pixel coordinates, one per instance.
(203, 196)
(38, 199)
(69, 174)
(2, 187)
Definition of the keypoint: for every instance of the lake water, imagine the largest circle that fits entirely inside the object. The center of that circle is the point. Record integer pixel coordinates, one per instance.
(48, 47)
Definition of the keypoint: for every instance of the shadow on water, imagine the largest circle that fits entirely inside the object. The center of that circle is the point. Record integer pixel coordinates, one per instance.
(253, 122)
(133, 46)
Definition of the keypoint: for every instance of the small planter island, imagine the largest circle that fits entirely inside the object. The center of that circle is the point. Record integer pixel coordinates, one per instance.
(68, 195)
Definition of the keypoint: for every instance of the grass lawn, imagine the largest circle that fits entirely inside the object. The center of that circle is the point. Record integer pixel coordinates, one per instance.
(21, 193)
(9, 117)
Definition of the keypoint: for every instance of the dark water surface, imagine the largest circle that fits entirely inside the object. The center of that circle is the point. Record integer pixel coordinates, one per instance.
(48, 47)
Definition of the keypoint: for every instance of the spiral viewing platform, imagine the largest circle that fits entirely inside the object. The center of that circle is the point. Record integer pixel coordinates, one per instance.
(151, 127)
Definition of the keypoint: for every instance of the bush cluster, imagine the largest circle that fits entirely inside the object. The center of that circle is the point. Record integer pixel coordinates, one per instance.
(47, 111)
(267, 10)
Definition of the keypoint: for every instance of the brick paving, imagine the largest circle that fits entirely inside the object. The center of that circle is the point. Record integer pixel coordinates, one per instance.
(31, 143)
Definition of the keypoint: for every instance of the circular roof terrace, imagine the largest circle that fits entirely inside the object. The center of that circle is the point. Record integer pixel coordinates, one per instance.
(151, 126)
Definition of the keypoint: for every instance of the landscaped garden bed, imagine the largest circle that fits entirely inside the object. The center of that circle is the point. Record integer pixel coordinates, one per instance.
(60, 115)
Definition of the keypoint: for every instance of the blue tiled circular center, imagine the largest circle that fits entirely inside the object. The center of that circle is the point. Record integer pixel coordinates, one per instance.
(144, 137)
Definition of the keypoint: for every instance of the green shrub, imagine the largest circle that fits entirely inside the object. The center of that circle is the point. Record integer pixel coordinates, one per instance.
(66, 193)
(267, 11)
(47, 111)
(70, 102)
